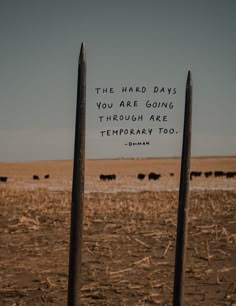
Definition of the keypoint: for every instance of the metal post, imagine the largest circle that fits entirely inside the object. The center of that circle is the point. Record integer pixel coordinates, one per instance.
(74, 280)
(182, 224)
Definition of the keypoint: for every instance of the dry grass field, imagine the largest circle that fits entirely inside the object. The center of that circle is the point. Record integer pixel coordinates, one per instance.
(129, 233)
(20, 174)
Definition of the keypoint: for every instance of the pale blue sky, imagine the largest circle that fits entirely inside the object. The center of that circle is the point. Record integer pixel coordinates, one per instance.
(132, 43)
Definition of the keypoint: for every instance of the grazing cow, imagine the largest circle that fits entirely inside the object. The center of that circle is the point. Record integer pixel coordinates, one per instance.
(46, 176)
(219, 173)
(107, 177)
(3, 179)
(154, 176)
(195, 173)
(102, 177)
(208, 174)
(171, 174)
(141, 176)
(35, 177)
(230, 174)
(113, 176)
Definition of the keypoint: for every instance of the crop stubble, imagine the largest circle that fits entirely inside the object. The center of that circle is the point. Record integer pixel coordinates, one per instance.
(128, 249)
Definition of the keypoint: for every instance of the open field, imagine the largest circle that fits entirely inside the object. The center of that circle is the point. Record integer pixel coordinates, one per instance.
(129, 234)
(20, 174)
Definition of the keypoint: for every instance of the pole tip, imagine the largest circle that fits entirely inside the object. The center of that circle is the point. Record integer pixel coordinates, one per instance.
(189, 78)
(82, 52)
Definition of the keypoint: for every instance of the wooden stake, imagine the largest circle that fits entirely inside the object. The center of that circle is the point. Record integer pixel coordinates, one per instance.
(76, 232)
(182, 223)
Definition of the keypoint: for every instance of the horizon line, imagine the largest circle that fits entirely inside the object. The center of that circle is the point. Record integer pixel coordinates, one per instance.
(122, 158)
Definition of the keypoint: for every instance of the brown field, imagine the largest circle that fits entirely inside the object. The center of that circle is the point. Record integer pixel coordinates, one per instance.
(20, 174)
(129, 234)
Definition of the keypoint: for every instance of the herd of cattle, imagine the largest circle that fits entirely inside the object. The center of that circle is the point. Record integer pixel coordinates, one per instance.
(150, 176)
(35, 177)
(157, 176)
(207, 174)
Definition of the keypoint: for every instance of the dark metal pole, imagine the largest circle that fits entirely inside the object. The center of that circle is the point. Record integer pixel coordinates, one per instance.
(76, 231)
(182, 224)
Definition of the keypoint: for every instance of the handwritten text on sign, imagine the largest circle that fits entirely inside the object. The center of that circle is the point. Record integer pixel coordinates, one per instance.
(139, 112)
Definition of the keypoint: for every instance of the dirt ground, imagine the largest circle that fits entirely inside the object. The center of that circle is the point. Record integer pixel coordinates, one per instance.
(129, 234)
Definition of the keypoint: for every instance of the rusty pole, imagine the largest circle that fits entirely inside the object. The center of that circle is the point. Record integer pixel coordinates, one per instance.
(76, 230)
(182, 222)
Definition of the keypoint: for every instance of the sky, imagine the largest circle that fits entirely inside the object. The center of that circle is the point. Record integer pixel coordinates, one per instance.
(145, 46)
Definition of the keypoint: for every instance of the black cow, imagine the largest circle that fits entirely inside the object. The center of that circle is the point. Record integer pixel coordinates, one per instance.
(46, 176)
(141, 176)
(107, 177)
(102, 177)
(208, 174)
(3, 179)
(113, 176)
(219, 173)
(154, 176)
(35, 177)
(230, 174)
(195, 173)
